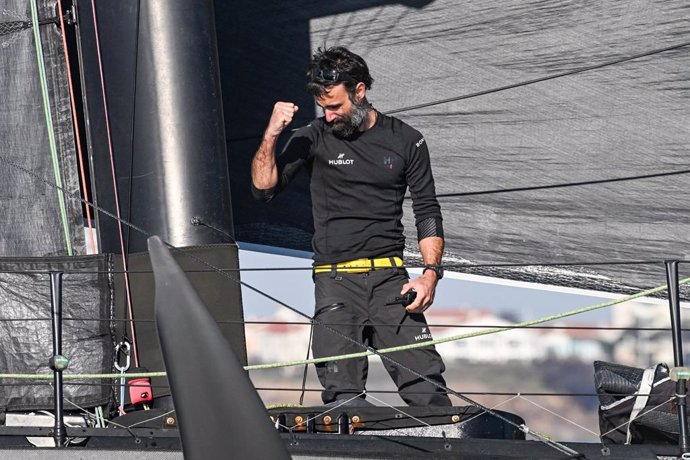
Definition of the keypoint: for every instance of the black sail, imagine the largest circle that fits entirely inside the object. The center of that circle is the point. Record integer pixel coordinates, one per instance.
(34, 221)
(623, 121)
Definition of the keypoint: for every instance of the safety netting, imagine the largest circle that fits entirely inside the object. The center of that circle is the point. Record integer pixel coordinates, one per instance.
(26, 328)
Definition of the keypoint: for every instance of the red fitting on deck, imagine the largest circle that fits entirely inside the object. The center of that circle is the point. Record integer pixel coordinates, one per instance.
(140, 391)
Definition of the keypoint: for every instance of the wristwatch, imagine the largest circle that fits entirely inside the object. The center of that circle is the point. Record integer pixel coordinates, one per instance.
(437, 268)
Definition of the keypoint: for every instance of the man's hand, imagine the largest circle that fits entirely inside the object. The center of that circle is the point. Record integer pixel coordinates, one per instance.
(282, 115)
(264, 171)
(425, 286)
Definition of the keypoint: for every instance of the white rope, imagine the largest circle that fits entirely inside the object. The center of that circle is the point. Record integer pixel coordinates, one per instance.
(559, 416)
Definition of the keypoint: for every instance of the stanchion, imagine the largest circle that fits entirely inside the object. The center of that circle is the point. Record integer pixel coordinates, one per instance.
(681, 384)
(57, 362)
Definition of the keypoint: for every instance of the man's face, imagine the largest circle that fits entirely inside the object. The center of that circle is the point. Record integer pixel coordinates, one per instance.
(342, 115)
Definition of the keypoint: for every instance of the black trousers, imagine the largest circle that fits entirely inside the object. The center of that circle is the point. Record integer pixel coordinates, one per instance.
(354, 304)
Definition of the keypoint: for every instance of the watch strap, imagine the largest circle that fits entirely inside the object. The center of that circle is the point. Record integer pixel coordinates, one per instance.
(437, 268)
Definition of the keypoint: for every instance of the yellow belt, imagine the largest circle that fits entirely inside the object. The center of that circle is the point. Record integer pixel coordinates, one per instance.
(360, 265)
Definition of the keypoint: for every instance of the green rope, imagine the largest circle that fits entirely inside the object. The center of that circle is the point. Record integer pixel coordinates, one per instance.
(82, 376)
(284, 406)
(100, 418)
(49, 125)
(369, 353)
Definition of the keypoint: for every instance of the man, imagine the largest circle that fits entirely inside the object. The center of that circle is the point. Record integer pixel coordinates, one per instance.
(361, 163)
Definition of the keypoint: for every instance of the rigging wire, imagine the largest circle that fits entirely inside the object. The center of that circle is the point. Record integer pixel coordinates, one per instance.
(128, 293)
(306, 366)
(457, 326)
(430, 325)
(556, 264)
(522, 397)
(560, 185)
(476, 393)
(49, 126)
(75, 123)
(541, 394)
(196, 221)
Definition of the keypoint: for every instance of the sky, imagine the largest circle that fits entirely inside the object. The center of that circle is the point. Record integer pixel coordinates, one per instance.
(523, 301)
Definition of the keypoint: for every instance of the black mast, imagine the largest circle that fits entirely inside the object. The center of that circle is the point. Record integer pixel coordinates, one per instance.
(165, 120)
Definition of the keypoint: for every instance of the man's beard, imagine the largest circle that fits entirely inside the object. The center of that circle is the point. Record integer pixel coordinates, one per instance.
(346, 125)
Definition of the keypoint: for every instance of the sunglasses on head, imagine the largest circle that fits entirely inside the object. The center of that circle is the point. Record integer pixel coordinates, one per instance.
(329, 76)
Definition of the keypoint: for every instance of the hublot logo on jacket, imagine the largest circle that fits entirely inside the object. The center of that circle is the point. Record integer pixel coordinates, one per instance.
(425, 335)
(341, 160)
